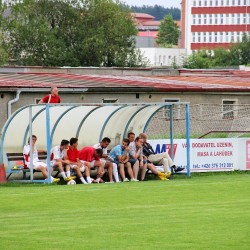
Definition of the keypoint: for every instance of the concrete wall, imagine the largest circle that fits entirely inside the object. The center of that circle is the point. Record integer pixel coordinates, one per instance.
(85, 97)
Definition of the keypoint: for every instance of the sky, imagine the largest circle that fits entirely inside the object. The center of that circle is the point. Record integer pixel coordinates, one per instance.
(165, 3)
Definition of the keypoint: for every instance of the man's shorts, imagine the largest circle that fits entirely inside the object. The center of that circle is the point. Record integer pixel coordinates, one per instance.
(37, 164)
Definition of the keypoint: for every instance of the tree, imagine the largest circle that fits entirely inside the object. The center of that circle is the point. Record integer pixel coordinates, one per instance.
(168, 34)
(70, 33)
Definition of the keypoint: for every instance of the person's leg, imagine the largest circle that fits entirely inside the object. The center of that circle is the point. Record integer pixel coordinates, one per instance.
(59, 165)
(109, 165)
(115, 172)
(129, 170)
(76, 168)
(122, 172)
(153, 169)
(135, 168)
(143, 170)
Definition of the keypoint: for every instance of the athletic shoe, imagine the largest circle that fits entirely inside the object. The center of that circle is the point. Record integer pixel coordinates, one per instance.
(134, 180)
(109, 182)
(179, 169)
(126, 180)
(55, 180)
(163, 178)
(70, 178)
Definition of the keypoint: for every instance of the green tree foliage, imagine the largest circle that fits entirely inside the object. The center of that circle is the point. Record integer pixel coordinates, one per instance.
(159, 12)
(3, 52)
(70, 33)
(168, 34)
(236, 54)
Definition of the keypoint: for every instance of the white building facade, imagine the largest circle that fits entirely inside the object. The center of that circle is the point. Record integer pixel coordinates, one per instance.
(213, 23)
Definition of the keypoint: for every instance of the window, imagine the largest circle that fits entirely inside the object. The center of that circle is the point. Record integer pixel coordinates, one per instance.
(210, 37)
(210, 19)
(194, 3)
(221, 19)
(205, 3)
(199, 37)
(37, 100)
(238, 37)
(232, 37)
(193, 37)
(228, 109)
(227, 37)
(232, 18)
(215, 19)
(221, 37)
(109, 100)
(204, 37)
(175, 109)
(194, 19)
(244, 18)
(199, 19)
(215, 37)
(238, 18)
(205, 19)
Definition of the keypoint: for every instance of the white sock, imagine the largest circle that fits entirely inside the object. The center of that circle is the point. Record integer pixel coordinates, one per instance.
(83, 180)
(63, 175)
(68, 173)
(115, 172)
(88, 179)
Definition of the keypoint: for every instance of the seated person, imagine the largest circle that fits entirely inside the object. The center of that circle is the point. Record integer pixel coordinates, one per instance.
(75, 164)
(37, 164)
(136, 154)
(57, 160)
(93, 156)
(161, 158)
(111, 166)
(119, 155)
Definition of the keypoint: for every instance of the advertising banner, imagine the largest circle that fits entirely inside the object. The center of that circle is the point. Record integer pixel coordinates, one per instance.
(206, 155)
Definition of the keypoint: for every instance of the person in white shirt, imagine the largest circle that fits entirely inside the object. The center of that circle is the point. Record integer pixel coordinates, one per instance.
(37, 164)
(111, 166)
(57, 159)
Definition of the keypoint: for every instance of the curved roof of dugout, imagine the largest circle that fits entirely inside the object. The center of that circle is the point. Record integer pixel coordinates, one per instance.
(89, 123)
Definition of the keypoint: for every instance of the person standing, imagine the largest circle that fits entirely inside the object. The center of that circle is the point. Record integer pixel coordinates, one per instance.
(53, 97)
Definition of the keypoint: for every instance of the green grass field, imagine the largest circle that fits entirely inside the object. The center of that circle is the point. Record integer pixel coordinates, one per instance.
(206, 211)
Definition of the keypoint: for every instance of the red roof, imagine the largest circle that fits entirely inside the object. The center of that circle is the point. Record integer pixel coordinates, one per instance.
(148, 33)
(227, 82)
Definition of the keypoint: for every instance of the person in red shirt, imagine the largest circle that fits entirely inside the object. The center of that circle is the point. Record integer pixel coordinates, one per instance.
(75, 164)
(93, 156)
(53, 97)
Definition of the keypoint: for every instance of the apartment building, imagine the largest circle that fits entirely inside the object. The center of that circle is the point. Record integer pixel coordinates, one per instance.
(212, 23)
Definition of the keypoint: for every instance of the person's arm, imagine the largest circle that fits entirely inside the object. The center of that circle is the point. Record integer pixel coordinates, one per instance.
(41, 101)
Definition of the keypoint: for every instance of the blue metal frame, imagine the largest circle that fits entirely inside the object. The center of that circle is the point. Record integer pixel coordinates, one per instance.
(188, 139)
(107, 119)
(27, 129)
(131, 118)
(84, 119)
(59, 119)
(5, 129)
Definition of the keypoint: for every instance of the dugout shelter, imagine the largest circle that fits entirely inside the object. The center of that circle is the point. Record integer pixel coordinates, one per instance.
(88, 122)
